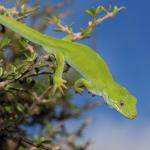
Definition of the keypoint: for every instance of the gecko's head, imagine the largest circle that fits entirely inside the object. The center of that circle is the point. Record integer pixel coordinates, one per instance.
(121, 100)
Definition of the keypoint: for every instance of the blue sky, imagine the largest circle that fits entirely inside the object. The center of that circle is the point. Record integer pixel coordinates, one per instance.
(124, 43)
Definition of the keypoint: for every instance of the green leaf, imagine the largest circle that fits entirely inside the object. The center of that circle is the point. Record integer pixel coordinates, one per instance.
(31, 57)
(20, 107)
(1, 71)
(55, 19)
(4, 42)
(23, 42)
(23, 8)
(116, 10)
(18, 75)
(99, 9)
(29, 80)
(94, 11)
(8, 108)
(89, 12)
(21, 148)
(13, 68)
(42, 139)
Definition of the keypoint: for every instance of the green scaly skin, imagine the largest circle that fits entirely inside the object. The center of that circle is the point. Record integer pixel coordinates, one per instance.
(95, 73)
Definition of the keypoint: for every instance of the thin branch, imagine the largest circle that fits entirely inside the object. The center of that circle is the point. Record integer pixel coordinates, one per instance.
(107, 16)
(91, 25)
(26, 141)
(3, 84)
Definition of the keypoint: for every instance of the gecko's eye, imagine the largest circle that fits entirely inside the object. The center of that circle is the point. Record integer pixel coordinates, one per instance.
(121, 104)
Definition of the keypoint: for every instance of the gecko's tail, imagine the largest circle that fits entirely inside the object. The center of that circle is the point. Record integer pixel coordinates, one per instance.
(25, 31)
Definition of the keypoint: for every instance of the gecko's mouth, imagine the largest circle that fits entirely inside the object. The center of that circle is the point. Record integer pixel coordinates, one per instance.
(129, 115)
(133, 116)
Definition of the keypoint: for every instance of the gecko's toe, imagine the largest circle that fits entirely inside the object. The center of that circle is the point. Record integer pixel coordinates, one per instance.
(59, 84)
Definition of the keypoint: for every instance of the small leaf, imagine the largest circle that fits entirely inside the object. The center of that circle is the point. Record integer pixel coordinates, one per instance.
(99, 9)
(21, 148)
(31, 57)
(115, 11)
(94, 11)
(20, 107)
(89, 12)
(17, 75)
(13, 68)
(23, 42)
(42, 139)
(29, 80)
(55, 19)
(1, 71)
(23, 8)
(4, 42)
(8, 108)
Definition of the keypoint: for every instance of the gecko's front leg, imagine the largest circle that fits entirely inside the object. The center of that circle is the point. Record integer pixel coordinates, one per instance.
(58, 82)
(81, 84)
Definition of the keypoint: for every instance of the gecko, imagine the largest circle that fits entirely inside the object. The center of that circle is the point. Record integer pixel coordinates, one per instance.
(95, 73)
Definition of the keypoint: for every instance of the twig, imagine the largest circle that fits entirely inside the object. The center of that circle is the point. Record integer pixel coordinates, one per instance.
(26, 141)
(3, 84)
(28, 13)
(91, 25)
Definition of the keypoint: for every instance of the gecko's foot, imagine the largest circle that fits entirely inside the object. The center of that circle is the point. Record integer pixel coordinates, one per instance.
(79, 90)
(59, 84)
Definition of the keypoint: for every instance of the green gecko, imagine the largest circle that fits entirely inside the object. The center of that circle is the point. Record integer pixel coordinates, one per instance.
(96, 76)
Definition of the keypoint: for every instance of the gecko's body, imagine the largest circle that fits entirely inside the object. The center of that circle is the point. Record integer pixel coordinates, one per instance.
(95, 72)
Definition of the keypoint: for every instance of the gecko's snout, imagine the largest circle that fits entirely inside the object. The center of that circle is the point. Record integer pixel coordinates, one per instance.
(132, 116)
